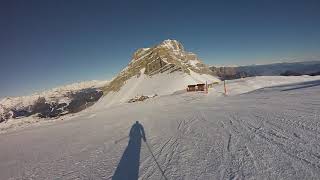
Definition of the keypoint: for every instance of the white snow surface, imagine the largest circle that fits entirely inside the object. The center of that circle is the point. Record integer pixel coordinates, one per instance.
(244, 85)
(194, 62)
(269, 133)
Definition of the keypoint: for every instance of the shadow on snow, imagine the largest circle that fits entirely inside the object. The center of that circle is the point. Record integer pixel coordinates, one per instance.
(128, 167)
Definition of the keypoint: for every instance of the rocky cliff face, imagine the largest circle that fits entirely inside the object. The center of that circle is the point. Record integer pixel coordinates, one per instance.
(166, 57)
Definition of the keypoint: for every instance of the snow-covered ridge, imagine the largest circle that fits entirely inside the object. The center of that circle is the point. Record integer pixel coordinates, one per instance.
(169, 51)
(172, 44)
(51, 94)
(59, 97)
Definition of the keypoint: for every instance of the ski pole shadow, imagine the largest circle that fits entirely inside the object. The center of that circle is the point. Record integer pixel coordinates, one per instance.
(128, 167)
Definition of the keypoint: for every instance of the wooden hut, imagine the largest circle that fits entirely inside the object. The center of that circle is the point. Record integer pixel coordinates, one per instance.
(196, 87)
(191, 88)
(201, 87)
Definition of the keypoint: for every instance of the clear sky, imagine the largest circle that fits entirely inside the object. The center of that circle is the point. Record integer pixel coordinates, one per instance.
(45, 43)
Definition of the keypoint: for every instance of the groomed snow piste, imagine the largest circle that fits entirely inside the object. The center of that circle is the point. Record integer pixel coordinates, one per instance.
(270, 133)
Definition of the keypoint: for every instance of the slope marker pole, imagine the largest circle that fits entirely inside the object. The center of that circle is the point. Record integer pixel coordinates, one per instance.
(225, 88)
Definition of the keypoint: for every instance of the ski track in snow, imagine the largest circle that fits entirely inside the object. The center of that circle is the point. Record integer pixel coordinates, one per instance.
(271, 133)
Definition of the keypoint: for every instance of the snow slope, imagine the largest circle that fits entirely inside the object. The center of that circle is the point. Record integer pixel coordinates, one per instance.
(160, 84)
(270, 133)
(165, 84)
(239, 86)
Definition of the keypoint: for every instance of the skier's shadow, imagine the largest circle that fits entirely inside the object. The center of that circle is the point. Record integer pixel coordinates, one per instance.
(128, 167)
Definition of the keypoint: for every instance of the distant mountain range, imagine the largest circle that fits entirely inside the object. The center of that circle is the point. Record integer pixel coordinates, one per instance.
(277, 69)
(52, 103)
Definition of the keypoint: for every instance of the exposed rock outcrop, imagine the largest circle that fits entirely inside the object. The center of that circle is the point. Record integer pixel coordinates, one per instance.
(83, 99)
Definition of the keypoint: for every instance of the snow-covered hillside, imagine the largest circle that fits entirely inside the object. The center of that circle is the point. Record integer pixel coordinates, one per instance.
(56, 98)
(58, 93)
(270, 133)
(160, 84)
(162, 69)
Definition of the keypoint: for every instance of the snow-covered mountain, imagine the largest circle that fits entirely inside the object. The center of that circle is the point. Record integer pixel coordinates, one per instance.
(162, 69)
(159, 70)
(276, 69)
(53, 102)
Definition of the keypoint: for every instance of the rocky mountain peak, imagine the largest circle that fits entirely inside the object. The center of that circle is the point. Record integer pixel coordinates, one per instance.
(167, 57)
(166, 47)
(172, 45)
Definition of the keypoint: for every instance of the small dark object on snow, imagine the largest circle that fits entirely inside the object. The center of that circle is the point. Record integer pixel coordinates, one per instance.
(140, 98)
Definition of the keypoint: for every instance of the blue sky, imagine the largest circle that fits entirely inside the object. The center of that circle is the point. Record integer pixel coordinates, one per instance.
(48, 43)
